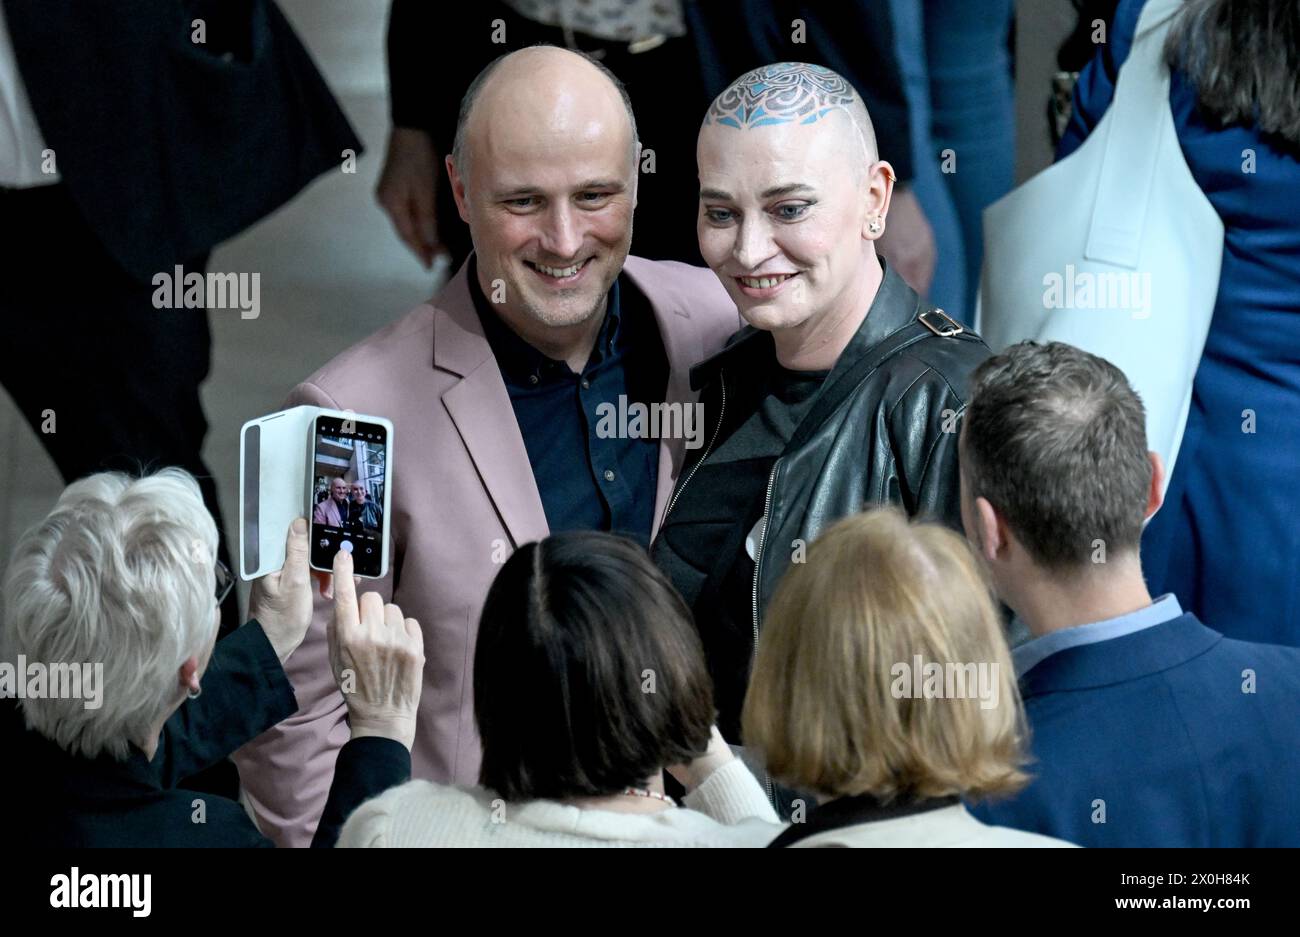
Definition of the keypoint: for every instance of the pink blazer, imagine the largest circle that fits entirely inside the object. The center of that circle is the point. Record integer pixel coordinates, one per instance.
(463, 499)
(327, 512)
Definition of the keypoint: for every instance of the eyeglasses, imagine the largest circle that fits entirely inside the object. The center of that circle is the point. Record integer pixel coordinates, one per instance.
(225, 582)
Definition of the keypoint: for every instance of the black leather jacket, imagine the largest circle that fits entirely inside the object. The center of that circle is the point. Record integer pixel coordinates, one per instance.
(880, 431)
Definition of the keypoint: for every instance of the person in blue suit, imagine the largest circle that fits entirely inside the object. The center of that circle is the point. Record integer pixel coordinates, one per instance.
(1148, 728)
(1227, 541)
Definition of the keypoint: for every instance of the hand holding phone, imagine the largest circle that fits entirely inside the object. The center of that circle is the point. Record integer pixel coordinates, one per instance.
(335, 467)
(281, 601)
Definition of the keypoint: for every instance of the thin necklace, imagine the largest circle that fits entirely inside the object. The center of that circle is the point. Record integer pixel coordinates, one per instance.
(641, 792)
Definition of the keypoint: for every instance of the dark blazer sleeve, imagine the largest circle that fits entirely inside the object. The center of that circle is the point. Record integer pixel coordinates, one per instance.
(852, 37)
(411, 28)
(169, 146)
(1095, 88)
(245, 692)
(434, 51)
(366, 767)
(856, 39)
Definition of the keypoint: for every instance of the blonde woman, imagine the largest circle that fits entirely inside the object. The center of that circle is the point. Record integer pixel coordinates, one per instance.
(883, 686)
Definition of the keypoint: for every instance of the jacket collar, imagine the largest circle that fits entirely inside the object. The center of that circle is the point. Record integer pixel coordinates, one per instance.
(480, 408)
(102, 778)
(683, 346)
(460, 345)
(854, 811)
(518, 360)
(894, 306)
(1119, 660)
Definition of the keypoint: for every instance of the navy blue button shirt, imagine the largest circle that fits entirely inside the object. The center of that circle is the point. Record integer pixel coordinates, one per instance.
(588, 478)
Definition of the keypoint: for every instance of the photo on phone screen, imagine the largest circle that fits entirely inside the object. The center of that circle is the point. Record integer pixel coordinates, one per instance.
(348, 469)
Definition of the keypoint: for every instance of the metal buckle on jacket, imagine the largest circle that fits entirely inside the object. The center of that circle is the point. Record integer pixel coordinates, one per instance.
(953, 328)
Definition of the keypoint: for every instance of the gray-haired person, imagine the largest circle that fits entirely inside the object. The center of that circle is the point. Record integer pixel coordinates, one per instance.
(108, 646)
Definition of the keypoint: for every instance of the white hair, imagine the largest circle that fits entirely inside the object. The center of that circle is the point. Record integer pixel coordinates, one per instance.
(122, 573)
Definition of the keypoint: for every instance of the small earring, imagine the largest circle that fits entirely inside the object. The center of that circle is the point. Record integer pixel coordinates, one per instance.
(874, 226)
(195, 694)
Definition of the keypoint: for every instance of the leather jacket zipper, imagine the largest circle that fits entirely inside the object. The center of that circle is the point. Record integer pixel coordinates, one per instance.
(767, 503)
(722, 413)
(758, 565)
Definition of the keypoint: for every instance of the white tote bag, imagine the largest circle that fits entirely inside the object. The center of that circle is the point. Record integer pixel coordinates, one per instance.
(1115, 249)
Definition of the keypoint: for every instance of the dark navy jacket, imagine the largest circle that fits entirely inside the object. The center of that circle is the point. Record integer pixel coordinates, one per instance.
(56, 800)
(1187, 738)
(1232, 492)
(169, 146)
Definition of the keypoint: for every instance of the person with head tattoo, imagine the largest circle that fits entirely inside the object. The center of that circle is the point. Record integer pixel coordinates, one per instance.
(844, 390)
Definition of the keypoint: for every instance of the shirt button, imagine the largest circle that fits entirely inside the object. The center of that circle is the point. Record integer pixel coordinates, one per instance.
(586, 384)
(609, 475)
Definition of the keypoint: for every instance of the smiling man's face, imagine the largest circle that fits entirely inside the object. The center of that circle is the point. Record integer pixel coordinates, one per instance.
(548, 188)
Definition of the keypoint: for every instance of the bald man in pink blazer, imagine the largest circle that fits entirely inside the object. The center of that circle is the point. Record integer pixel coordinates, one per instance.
(549, 202)
(463, 499)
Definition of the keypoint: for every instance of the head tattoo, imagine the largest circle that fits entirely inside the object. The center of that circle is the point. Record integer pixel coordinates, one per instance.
(787, 92)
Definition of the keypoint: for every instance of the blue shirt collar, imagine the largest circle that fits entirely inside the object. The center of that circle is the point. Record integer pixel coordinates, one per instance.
(520, 363)
(1035, 651)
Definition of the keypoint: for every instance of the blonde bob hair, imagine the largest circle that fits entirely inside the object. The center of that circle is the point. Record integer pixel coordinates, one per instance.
(831, 705)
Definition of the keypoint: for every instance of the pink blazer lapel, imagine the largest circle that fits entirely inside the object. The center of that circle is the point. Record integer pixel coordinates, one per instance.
(480, 408)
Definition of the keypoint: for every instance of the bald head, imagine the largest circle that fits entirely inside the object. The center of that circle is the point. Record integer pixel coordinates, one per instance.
(553, 89)
(795, 93)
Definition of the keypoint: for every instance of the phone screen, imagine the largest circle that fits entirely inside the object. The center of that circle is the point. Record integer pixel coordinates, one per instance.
(349, 468)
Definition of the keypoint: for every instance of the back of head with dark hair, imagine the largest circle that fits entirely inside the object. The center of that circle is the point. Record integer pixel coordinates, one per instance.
(1243, 58)
(1055, 439)
(589, 675)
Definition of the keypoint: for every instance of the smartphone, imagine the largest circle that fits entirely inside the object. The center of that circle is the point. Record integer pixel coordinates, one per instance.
(348, 490)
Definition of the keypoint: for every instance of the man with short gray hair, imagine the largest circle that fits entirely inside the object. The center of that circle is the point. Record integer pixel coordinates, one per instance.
(1149, 729)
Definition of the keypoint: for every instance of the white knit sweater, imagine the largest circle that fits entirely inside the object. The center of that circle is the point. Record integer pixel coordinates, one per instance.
(728, 809)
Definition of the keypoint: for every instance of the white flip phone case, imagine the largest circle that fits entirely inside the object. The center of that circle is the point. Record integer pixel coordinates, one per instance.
(275, 485)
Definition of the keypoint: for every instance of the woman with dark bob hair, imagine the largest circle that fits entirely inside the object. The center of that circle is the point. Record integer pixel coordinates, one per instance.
(589, 679)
